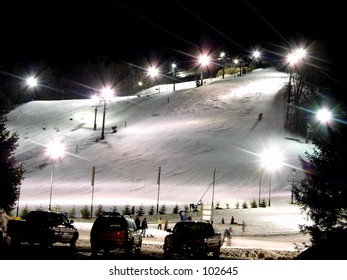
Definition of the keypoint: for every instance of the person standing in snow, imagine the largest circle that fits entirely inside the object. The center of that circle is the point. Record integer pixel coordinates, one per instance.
(227, 236)
(160, 222)
(137, 222)
(144, 227)
(166, 224)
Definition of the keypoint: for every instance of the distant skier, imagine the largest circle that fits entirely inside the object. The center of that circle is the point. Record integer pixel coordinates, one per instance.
(260, 117)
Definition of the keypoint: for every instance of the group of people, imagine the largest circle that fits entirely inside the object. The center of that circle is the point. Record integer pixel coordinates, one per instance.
(161, 222)
(144, 225)
(228, 232)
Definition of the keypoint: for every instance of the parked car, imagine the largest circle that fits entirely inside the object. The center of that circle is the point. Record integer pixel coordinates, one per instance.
(44, 228)
(192, 238)
(111, 231)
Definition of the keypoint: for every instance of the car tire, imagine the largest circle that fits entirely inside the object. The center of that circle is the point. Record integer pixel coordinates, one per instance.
(216, 253)
(137, 250)
(167, 254)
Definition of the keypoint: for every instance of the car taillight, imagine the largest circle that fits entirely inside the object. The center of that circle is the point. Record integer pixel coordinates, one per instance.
(120, 234)
(168, 238)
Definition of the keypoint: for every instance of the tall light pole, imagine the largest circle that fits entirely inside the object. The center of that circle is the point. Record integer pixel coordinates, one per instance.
(103, 121)
(158, 183)
(293, 58)
(55, 150)
(20, 169)
(204, 60)
(222, 58)
(260, 173)
(30, 82)
(293, 182)
(271, 159)
(255, 57)
(96, 102)
(174, 72)
(106, 94)
(154, 72)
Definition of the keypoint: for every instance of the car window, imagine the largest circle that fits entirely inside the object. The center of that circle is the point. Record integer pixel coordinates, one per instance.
(110, 222)
(130, 225)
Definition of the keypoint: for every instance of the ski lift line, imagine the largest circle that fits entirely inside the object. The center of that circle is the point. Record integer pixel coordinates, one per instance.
(48, 121)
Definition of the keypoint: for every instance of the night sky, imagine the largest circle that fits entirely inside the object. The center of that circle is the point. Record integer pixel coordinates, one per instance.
(65, 32)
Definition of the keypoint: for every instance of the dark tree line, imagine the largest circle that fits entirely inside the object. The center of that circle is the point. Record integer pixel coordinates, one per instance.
(10, 170)
(322, 193)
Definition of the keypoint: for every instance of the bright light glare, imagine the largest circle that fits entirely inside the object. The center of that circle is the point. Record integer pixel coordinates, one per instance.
(55, 150)
(204, 59)
(153, 72)
(31, 81)
(107, 93)
(256, 54)
(272, 159)
(324, 115)
(294, 57)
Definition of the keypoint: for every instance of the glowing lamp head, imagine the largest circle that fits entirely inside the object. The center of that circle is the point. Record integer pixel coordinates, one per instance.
(324, 115)
(55, 150)
(272, 159)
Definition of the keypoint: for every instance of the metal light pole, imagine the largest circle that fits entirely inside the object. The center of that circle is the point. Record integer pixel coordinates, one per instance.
(19, 188)
(158, 183)
(103, 121)
(106, 94)
(96, 102)
(174, 71)
(213, 185)
(260, 173)
(293, 182)
(92, 183)
(204, 60)
(269, 203)
(222, 58)
(271, 159)
(55, 150)
(154, 72)
(50, 194)
(289, 90)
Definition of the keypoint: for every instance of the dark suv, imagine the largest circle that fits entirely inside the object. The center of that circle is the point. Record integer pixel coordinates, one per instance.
(112, 231)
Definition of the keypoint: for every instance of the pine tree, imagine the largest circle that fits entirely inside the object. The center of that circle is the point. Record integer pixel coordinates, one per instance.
(99, 210)
(162, 210)
(85, 213)
(175, 209)
(244, 205)
(322, 194)
(24, 213)
(11, 172)
(253, 203)
(140, 211)
(151, 210)
(72, 212)
(263, 203)
(126, 210)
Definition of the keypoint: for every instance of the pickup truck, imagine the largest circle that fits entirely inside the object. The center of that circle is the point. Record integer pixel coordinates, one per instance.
(192, 238)
(44, 228)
